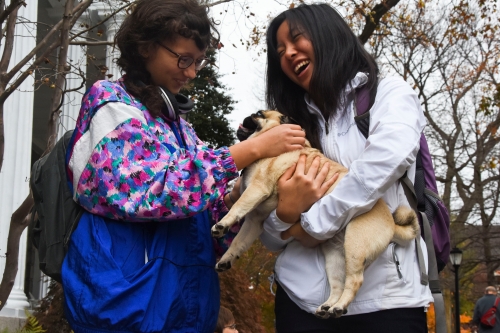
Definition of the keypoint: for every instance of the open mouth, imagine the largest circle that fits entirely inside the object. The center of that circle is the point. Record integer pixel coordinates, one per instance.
(247, 128)
(301, 67)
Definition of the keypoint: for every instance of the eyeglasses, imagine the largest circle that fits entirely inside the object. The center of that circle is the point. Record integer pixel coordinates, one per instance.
(184, 62)
(233, 326)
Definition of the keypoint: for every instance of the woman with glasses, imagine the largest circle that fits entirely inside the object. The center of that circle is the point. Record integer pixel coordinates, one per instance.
(141, 258)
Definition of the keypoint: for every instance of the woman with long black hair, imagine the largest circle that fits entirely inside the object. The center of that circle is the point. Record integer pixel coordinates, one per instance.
(316, 67)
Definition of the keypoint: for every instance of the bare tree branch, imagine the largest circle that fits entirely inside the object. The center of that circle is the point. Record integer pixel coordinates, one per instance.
(4, 63)
(20, 79)
(217, 3)
(62, 70)
(8, 47)
(14, 6)
(78, 10)
(373, 18)
(91, 43)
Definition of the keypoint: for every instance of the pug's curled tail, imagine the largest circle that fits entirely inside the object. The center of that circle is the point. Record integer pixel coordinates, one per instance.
(407, 227)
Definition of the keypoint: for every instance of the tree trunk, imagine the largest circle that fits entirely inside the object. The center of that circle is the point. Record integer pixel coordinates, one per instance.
(62, 71)
(20, 219)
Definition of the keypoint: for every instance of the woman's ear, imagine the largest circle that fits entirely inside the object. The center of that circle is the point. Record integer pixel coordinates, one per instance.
(145, 51)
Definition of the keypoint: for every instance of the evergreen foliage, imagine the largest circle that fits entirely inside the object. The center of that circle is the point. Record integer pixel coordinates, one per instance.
(32, 325)
(212, 105)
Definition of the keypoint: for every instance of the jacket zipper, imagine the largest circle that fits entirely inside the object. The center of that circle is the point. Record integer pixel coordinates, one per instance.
(396, 261)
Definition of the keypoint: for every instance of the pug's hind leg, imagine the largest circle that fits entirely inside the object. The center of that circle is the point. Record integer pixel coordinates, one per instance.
(366, 237)
(333, 250)
(249, 232)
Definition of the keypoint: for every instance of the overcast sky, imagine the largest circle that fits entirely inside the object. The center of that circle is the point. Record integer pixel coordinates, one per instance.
(242, 70)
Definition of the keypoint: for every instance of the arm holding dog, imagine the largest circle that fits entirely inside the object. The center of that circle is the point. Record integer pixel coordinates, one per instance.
(278, 140)
(390, 149)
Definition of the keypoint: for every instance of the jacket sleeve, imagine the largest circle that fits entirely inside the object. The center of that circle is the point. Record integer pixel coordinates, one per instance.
(271, 234)
(128, 168)
(218, 209)
(477, 314)
(396, 124)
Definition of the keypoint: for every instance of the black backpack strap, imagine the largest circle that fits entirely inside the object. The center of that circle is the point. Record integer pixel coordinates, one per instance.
(420, 183)
(363, 123)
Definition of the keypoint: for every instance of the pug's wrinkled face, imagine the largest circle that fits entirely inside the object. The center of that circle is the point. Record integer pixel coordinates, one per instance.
(260, 122)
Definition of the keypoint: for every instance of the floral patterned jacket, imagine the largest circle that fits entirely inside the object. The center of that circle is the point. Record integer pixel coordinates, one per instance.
(127, 165)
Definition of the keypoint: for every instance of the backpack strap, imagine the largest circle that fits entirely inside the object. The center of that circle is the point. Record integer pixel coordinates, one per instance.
(496, 302)
(362, 104)
(434, 277)
(415, 196)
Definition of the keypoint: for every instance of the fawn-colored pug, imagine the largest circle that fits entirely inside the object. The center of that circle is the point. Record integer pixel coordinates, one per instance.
(347, 254)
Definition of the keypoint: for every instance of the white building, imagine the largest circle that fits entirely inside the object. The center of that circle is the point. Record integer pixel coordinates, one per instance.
(26, 115)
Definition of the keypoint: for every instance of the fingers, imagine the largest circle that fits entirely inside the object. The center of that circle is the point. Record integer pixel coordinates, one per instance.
(280, 139)
(313, 169)
(296, 139)
(301, 165)
(327, 184)
(295, 128)
(288, 174)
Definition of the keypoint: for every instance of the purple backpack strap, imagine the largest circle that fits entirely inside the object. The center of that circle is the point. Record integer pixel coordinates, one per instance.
(362, 103)
(362, 100)
(434, 207)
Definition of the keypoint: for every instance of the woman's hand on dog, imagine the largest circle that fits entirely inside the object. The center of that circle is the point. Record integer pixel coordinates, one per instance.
(279, 140)
(298, 190)
(276, 141)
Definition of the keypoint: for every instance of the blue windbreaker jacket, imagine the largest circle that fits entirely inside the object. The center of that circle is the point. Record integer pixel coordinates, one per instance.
(146, 277)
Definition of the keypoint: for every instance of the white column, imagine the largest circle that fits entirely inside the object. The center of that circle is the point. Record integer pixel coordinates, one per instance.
(18, 123)
(72, 100)
(112, 52)
(103, 10)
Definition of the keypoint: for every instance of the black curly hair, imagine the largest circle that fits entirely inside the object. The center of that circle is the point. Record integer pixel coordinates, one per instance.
(150, 22)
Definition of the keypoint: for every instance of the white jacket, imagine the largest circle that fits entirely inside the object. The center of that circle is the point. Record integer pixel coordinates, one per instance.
(375, 165)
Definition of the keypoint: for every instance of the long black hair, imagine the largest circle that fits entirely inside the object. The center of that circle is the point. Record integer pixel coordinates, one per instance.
(153, 21)
(338, 57)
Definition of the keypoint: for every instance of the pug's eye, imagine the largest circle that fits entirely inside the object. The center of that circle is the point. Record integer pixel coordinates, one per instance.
(260, 114)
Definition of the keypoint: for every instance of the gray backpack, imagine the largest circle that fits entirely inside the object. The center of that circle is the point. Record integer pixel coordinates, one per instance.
(55, 215)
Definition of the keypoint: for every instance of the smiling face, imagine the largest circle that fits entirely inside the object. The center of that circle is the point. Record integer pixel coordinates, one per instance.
(296, 55)
(162, 64)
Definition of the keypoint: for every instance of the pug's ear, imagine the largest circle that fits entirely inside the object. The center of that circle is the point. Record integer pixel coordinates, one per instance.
(287, 120)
